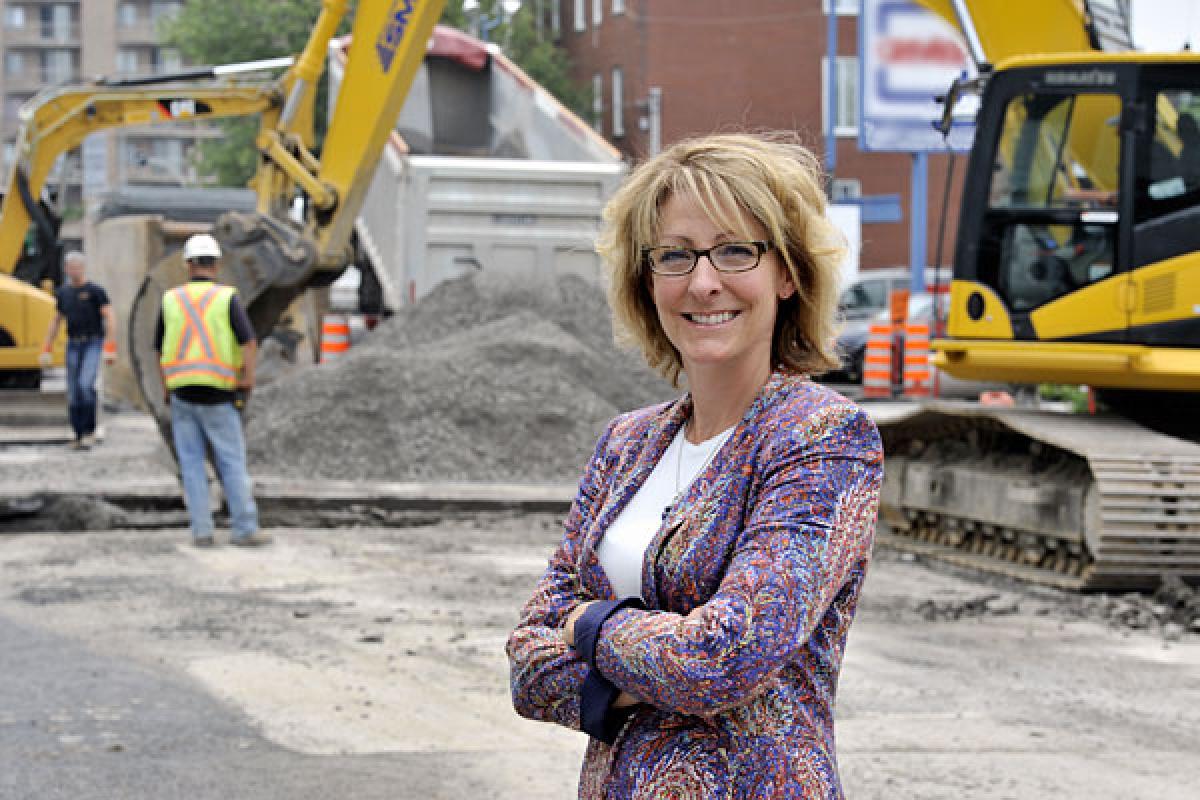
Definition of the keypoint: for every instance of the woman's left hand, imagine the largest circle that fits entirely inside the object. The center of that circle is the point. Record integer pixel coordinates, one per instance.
(572, 618)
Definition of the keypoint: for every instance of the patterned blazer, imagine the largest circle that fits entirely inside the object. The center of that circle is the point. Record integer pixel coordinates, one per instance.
(749, 587)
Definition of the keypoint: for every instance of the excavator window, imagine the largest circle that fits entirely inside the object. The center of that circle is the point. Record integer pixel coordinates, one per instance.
(1051, 222)
(1167, 186)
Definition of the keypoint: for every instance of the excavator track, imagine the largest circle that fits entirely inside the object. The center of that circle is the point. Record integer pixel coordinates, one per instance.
(1072, 501)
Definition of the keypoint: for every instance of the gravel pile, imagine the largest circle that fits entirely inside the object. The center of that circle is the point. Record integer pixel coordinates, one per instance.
(484, 380)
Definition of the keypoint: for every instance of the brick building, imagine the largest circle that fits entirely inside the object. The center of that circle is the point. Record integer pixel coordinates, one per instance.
(749, 65)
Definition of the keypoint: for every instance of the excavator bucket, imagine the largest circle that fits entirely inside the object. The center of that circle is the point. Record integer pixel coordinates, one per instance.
(268, 261)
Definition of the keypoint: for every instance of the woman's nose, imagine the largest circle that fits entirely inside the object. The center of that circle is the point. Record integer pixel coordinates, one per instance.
(705, 279)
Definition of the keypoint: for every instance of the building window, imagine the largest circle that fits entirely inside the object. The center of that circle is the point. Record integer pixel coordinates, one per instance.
(14, 17)
(580, 18)
(167, 59)
(56, 22)
(598, 101)
(846, 119)
(14, 62)
(127, 15)
(127, 61)
(597, 12)
(160, 9)
(13, 103)
(844, 189)
(556, 17)
(618, 7)
(844, 8)
(618, 103)
(58, 65)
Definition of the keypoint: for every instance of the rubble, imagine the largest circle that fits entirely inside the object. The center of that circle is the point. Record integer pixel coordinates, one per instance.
(1171, 611)
(486, 379)
(990, 604)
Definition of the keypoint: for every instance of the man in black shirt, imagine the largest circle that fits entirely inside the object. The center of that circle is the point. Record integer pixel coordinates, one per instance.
(90, 334)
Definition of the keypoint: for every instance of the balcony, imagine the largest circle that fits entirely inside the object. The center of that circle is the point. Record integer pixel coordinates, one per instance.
(139, 31)
(35, 34)
(35, 79)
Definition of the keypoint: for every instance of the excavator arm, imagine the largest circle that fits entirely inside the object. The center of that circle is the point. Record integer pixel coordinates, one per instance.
(54, 122)
(61, 119)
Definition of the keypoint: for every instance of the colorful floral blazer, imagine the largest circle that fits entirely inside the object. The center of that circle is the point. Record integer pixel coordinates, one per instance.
(749, 588)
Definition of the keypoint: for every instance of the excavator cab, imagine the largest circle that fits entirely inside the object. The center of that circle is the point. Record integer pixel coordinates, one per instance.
(1090, 229)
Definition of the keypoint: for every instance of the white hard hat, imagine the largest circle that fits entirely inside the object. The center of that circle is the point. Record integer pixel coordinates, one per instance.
(201, 245)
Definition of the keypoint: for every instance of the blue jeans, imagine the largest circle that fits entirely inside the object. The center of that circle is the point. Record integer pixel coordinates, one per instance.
(220, 426)
(83, 362)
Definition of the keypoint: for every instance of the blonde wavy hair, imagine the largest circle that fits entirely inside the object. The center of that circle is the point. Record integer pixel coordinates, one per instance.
(769, 177)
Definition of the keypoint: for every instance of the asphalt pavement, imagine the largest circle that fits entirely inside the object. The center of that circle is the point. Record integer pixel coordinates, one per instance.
(78, 725)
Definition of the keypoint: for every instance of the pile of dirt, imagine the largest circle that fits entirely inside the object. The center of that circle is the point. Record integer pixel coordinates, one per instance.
(486, 379)
(64, 513)
(1172, 611)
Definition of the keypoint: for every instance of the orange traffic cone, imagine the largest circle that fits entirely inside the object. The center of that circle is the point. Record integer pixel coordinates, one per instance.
(877, 361)
(917, 373)
(335, 337)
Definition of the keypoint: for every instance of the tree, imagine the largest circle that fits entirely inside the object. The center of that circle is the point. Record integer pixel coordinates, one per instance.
(230, 31)
(545, 62)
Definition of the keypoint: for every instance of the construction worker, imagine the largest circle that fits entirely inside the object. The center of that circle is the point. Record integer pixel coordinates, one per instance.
(207, 356)
(90, 327)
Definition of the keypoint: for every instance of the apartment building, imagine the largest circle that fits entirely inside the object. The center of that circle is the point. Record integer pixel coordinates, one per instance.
(661, 70)
(48, 42)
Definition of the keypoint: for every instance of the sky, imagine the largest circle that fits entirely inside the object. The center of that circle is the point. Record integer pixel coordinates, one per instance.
(1165, 25)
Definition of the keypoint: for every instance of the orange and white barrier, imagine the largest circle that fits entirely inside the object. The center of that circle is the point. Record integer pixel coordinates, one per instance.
(335, 337)
(918, 374)
(877, 361)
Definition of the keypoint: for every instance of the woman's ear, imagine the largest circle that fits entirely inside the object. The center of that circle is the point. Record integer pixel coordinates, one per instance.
(787, 287)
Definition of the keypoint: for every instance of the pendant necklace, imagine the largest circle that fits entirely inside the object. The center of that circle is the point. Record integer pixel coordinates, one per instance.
(679, 492)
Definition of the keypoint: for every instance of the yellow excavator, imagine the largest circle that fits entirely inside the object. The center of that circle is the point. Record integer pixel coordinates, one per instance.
(270, 255)
(1077, 262)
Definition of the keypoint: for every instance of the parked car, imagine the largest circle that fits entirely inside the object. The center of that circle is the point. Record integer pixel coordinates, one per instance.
(862, 302)
(863, 299)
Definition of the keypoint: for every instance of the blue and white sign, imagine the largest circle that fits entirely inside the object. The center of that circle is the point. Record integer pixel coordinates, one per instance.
(908, 56)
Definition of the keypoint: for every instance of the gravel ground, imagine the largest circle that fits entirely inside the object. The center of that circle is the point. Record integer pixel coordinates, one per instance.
(382, 642)
(484, 380)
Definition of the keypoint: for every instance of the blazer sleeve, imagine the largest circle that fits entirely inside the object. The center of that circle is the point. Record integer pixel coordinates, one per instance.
(545, 674)
(804, 538)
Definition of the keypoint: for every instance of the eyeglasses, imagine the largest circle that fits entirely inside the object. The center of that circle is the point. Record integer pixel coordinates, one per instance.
(202, 261)
(669, 259)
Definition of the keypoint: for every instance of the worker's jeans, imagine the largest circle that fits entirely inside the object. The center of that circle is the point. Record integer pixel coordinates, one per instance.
(83, 362)
(220, 426)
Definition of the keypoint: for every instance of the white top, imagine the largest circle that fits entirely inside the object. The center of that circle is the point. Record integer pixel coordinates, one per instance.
(623, 547)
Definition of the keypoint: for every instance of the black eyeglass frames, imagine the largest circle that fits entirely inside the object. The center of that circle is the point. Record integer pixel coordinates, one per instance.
(672, 259)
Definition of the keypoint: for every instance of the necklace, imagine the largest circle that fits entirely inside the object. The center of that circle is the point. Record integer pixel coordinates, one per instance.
(679, 491)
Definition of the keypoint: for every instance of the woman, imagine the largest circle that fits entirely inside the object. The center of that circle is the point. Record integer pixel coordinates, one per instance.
(693, 619)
